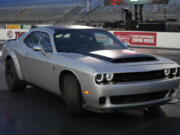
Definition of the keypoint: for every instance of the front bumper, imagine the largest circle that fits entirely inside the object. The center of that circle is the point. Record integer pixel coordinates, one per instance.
(128, 89)
(113, 108)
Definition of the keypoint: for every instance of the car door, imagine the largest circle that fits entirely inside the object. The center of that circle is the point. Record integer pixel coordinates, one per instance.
(38, 66)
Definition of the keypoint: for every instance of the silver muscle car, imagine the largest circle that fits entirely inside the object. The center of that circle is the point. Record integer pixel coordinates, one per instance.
(90, 69)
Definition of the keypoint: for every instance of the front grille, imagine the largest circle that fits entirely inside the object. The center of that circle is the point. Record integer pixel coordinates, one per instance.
(139, 76)
(138, 98)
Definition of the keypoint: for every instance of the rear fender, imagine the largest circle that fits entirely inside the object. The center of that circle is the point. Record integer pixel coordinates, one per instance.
(16, 63)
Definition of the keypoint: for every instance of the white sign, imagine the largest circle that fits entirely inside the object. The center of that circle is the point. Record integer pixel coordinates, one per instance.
(6, 34)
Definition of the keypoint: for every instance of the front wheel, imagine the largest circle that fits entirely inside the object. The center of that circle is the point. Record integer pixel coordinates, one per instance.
(12, 80)
(72, 94)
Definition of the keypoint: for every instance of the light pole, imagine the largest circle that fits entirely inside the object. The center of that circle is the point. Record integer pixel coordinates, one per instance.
(88, 9)
(88, 5)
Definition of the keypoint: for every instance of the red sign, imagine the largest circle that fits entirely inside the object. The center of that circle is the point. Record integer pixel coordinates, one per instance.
(19, 34)
(138, 38)
(127, 2)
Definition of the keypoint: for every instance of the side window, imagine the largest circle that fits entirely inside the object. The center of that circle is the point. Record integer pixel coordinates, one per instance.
(44, 41)
(32, 40)
(39, 39)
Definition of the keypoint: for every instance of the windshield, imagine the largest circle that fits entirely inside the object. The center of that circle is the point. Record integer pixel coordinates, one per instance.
(89, 40)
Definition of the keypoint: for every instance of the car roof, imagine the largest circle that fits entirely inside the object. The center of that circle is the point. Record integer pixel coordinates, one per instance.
(56, 27)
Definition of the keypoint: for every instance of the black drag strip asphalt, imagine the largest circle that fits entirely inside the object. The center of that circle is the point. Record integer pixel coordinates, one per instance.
(38, 112)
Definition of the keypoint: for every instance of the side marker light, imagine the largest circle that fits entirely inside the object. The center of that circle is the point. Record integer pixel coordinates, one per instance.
(86, 92)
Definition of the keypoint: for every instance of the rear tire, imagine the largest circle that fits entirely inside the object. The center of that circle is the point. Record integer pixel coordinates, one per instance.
(12, 80)
(72, 95)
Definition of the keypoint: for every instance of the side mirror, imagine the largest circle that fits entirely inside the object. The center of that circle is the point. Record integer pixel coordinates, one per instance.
(126, 43)
(39, 49)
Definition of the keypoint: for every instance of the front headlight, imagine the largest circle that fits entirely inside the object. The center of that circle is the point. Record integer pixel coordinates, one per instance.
(109, 77)
(175, 71)
(167, 72)
(104, 78)
(99, 78)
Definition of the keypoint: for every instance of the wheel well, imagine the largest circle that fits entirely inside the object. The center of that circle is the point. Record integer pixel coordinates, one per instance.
(8, 58)
(61, 78)
(61, 87)
(16, 64)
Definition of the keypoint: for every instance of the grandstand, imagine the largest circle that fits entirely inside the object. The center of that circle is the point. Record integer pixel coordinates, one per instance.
(75, 11)
(44, 12)
(35, 3)
(34, 15)
(150, 12)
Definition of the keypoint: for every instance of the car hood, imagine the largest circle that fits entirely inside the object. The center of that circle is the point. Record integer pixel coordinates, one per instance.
(119, 56)
(116, 59)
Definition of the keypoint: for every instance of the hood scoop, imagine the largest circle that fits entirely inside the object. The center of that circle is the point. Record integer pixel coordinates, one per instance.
(134, 59)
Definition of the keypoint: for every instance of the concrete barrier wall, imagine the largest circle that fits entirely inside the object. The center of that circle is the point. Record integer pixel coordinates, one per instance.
(150, 39)
(168, 40)
(6, 34)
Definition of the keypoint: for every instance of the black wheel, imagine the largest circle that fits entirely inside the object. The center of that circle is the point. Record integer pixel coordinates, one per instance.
(12, 80)
(72, 95)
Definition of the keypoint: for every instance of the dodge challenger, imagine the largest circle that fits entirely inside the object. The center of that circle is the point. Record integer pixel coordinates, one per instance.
(90, 69)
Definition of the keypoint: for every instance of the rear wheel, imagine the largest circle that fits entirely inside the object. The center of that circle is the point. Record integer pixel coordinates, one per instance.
(12, 80)
(72, 95)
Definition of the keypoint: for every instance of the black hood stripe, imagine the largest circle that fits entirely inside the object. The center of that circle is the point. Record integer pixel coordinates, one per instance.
(119, 57)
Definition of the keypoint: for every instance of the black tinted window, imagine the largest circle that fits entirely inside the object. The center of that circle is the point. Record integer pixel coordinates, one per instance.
(79, 40)
(32, 40)
(44, 41)
(39, 39)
